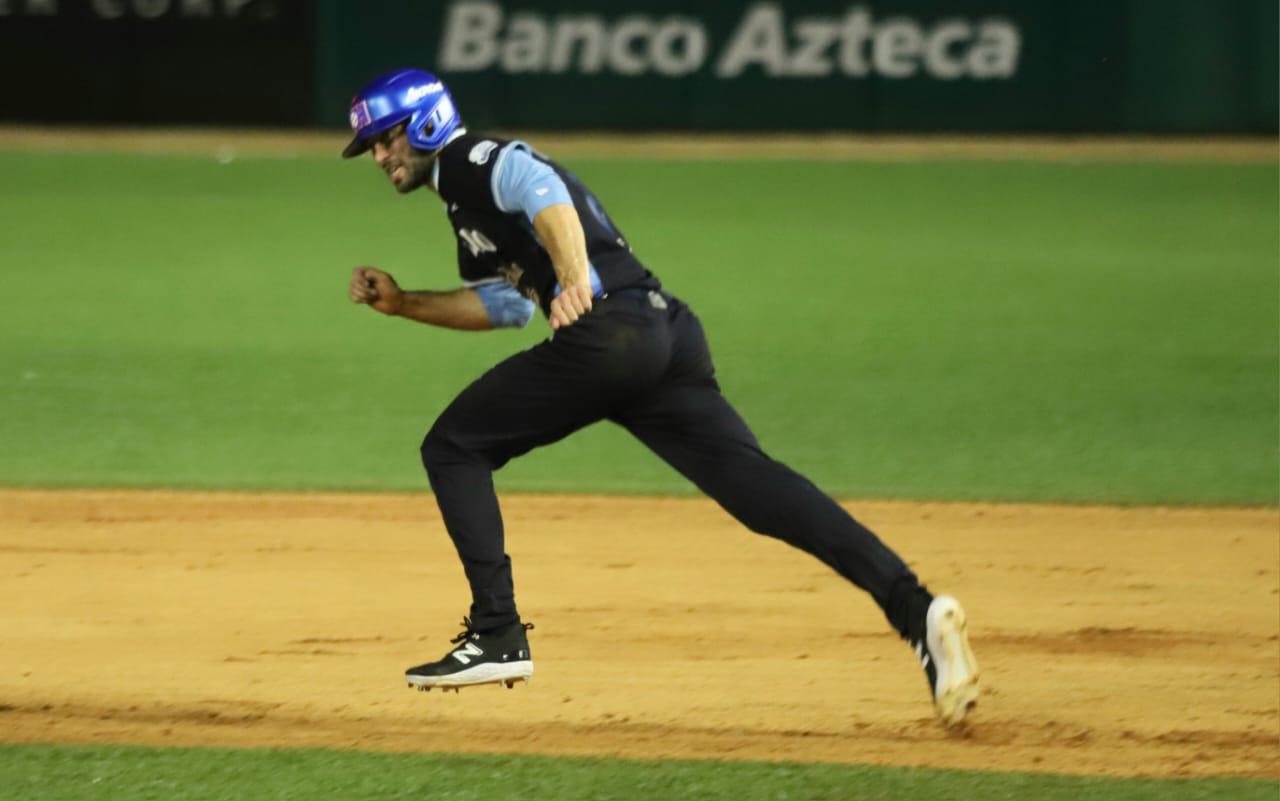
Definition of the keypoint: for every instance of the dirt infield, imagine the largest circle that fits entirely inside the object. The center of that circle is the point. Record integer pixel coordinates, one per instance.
(1113, 641)
(231, 143)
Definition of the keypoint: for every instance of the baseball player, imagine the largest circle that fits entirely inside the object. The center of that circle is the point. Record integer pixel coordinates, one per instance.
(531, 237)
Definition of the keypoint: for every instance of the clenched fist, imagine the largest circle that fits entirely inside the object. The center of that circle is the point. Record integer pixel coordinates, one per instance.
(572, 303)
(375, 288)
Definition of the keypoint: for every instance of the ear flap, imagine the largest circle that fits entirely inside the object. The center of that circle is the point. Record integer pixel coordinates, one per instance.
(427, 131)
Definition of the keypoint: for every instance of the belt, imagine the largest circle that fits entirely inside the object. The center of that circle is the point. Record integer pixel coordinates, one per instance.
(657, 298)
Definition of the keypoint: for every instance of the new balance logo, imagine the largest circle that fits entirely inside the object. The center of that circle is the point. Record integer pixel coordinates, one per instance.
(922, 655)
(467, 651)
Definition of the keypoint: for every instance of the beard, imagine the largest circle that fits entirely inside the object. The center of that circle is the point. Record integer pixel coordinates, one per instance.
(417, 172)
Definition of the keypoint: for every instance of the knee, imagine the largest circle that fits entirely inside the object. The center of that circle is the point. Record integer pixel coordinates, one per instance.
(439, 450)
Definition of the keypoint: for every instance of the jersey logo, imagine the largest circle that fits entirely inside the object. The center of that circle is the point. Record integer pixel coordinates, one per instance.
(416, 93)
(511, 273)
(481, 152)
(476, 242)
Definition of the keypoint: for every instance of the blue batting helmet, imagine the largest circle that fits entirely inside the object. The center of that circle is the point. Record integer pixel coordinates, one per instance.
(390, 99)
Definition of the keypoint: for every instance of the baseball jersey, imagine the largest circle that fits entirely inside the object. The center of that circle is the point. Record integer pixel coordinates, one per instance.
(498, 240)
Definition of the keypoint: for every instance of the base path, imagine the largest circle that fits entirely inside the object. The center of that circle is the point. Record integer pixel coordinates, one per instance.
(1112, 641)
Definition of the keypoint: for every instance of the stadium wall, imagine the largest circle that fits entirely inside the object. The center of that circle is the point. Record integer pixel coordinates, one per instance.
(999, 66)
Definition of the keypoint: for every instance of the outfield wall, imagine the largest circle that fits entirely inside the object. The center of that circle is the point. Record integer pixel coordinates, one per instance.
(1016, 66)
(904, 65)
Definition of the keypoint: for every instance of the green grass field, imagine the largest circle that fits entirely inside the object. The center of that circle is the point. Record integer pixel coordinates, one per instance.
(78, 773)
(949, 330)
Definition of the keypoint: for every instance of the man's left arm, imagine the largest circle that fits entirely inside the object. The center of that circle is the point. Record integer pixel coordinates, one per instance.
(561, 233)
(531, 186)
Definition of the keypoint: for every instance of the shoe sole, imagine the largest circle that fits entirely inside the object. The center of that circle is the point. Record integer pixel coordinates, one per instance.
(507, 673)
(958, 687)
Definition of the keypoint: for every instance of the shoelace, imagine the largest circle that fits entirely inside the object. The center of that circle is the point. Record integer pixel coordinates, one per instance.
(468, 630)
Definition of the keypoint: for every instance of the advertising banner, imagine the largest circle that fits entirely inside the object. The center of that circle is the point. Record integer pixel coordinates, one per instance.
(899, 65)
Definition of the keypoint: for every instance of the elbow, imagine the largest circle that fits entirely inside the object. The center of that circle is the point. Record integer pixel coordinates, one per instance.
(505, 307)
(521, 317)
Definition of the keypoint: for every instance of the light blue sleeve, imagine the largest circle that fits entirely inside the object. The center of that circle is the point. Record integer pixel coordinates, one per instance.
(522, 183)
(506, 307)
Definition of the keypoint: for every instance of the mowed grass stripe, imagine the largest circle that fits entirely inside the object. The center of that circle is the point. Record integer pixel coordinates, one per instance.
(79, 773)
(1003, 331)
(291, 143)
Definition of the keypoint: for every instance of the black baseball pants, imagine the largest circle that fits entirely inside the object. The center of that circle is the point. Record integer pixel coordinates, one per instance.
(639, 359)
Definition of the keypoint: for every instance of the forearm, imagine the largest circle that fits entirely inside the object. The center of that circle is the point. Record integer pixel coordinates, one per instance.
(560, 232)
(459, 309)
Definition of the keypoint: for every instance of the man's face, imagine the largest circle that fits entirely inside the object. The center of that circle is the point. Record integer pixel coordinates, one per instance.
(407, 168)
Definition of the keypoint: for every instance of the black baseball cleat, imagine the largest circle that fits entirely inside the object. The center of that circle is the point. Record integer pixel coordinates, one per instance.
(942, 646)
(500, 656)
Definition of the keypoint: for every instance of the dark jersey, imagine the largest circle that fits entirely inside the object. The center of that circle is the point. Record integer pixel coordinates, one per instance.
(492, 242)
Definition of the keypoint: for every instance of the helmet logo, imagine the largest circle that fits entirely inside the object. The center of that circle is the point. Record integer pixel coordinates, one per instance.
(443, 111)
(481, 152)
(360, 115)
(416, 93)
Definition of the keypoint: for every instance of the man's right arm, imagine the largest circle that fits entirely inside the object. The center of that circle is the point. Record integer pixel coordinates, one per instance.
(460, 309)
